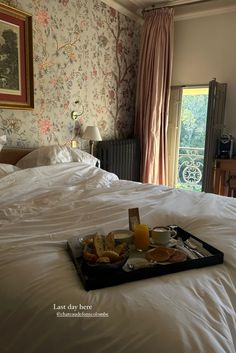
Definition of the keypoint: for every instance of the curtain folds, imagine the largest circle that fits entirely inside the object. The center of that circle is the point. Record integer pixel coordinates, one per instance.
(153, 93)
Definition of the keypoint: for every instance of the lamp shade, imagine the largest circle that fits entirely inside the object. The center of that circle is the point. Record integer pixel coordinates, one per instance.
(92, 133)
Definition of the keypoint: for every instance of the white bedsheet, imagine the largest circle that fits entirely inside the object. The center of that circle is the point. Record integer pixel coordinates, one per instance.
(40, 208)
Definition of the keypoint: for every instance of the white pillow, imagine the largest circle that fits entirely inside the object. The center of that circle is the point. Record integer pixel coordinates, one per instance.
(84, 157)
(46, 155)
(3, 140)
(7, 169)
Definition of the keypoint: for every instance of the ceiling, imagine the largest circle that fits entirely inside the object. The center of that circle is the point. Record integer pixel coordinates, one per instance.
(158, 3)
(183, 8)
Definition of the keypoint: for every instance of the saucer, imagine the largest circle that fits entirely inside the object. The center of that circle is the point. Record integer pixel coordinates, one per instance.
(171, 243)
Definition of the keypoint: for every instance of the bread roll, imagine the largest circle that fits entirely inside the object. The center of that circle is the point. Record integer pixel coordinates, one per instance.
(98, 244)
(110, 242)
(113, 256)
(103, 259)
(120, 249)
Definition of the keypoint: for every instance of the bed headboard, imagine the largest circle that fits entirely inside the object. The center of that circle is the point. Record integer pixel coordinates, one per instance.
(13, 155)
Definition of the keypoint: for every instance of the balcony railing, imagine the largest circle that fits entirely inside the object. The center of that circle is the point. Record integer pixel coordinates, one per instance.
(190, 168)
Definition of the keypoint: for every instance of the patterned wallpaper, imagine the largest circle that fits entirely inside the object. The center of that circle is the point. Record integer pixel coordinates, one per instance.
(83, 51)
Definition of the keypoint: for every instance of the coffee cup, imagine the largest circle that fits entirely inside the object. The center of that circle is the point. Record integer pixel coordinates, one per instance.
(162, 235)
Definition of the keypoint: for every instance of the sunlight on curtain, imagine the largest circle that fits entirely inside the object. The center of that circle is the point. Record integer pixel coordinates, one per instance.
(153, 93)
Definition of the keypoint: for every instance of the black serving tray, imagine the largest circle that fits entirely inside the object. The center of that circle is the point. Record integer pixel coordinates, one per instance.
(101, 279)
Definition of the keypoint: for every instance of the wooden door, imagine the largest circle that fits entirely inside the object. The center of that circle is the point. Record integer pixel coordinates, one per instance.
(214, 130)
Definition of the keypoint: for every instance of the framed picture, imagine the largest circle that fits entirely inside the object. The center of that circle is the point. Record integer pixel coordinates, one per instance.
(16, 59)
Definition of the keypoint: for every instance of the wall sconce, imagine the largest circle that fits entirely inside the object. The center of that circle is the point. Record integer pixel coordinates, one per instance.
(92, 134)
(74, 116)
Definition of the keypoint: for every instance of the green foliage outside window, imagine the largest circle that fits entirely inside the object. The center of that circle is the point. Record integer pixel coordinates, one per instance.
(193, 120)
(193, 130)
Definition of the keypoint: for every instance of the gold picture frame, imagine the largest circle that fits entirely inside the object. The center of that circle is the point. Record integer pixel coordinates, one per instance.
(16, 59)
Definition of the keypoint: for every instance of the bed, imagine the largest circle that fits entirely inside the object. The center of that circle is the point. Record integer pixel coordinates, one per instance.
(43, 206)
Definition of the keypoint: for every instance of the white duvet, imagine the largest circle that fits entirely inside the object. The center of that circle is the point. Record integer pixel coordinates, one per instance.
(40, 208)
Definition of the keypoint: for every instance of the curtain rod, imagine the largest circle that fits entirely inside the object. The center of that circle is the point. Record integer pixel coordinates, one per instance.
(176, 3)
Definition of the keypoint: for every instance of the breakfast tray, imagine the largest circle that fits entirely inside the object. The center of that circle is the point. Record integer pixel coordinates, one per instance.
(117, 276)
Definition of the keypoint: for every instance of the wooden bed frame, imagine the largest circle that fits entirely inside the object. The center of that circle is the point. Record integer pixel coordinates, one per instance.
(13, 155)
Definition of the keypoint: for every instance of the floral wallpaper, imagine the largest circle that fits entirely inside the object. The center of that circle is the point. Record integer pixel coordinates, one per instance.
(85, 60)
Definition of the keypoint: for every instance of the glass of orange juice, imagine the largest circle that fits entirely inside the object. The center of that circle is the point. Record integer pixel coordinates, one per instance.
(141, 237)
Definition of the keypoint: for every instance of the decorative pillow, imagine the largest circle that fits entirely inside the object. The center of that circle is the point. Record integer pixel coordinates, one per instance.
(7, 169)
(3, 140)
(84, 157)
(46, 155)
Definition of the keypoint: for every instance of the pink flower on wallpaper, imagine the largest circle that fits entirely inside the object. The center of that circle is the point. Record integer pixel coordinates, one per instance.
(113, 12)
(64, 2)
(120, 47)
(94, 72)
(100, 110)
(103, 125)
(44, 65)
(82, 25)
(99, 23)
(42, 17)
(45, 126)
(66, 105)
(111, 94)
(53, 82)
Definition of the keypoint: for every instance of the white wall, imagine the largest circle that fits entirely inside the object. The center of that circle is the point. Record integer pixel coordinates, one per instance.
(205, 48)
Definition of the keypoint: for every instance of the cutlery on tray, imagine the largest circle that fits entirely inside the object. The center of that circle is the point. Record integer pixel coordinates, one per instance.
(190, 252)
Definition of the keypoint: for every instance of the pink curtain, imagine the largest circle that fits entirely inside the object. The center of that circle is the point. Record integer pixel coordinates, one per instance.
(153, 93)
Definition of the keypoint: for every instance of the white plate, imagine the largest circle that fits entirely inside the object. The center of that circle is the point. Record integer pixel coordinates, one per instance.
(171, 243)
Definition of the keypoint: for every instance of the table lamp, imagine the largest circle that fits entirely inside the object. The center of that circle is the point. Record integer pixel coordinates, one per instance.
(92, 134)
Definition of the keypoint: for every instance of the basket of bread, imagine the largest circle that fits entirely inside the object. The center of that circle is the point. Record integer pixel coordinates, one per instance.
(103, 253)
